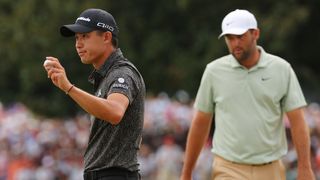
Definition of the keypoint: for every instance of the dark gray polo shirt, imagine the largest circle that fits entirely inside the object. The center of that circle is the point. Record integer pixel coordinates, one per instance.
(116, 145)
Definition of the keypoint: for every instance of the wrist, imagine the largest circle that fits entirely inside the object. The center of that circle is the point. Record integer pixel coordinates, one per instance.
(69, 89)
(186, 172)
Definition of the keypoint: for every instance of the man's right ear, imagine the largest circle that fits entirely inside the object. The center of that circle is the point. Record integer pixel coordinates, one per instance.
(256, 33)
(108, 37)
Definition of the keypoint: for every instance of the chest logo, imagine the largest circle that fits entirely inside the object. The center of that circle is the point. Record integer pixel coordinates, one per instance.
(265, 78)
(99, 93)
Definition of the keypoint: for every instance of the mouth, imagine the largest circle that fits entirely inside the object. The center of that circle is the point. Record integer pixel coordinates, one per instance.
(81, 53)
(237, 50)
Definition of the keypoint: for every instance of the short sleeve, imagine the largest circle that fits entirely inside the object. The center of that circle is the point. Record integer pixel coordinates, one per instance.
(204, 100)
(123, 80)
(294, 97)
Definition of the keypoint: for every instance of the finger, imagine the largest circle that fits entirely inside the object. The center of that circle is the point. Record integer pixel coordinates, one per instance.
(48, 64)
(51, 71)
(55, 72)
(47, 67)
(54, 78)
(52, 58)
(52, 61)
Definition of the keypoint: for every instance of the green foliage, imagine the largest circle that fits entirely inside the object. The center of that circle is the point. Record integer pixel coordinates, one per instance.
(170, 42)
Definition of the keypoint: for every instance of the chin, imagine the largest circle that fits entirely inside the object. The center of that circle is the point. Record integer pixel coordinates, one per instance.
(85, 61)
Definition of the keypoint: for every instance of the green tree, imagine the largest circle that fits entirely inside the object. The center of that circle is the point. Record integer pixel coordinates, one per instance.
(170, 42)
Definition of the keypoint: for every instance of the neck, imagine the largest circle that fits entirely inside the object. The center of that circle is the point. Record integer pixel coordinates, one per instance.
(252, 60)
(104, 57)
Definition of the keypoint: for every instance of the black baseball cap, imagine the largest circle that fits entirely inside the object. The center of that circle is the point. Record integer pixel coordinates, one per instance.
(90, 20)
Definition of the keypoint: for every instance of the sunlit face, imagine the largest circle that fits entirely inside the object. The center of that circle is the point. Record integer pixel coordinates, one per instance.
(242, 46)
(90, 47)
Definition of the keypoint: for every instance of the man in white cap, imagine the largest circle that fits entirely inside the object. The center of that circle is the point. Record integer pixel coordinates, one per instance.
(248, 92)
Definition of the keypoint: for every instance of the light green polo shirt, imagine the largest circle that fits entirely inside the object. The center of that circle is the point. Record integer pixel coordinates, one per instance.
(249, 106)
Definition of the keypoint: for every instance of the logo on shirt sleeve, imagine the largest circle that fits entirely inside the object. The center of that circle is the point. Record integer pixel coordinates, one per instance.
(120, 83)
(121, 80)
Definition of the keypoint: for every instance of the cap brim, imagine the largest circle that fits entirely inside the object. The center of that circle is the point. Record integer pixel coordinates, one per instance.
(235, 31)
(71, 29)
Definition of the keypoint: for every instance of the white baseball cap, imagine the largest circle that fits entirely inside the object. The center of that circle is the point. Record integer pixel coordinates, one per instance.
(238, 22)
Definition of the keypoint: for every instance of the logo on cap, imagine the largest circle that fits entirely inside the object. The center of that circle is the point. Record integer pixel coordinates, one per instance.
(229, 23)
(103, 25)
(83, 19)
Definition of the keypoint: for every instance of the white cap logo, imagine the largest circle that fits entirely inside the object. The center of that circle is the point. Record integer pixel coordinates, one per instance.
(103, 25)
(83, 19)
(121, 80)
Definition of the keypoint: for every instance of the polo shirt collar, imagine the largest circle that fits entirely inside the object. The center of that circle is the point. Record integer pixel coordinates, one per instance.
(263, 61)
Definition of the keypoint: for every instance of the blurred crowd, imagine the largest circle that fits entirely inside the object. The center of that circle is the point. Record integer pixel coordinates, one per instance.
(37, 148)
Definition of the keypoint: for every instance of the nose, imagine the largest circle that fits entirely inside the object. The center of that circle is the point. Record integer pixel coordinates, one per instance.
(235, 41)
(79, 43)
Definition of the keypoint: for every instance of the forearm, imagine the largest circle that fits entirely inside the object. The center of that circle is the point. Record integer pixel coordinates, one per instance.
(99, 107)
(300, 137)
(197, 137)
(301, 141)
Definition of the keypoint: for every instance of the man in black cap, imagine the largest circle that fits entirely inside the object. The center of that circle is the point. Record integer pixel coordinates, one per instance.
(116, 108)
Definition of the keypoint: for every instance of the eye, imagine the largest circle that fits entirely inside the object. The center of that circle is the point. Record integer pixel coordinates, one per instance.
(84, 35)
(81, 36)
(229, 37)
